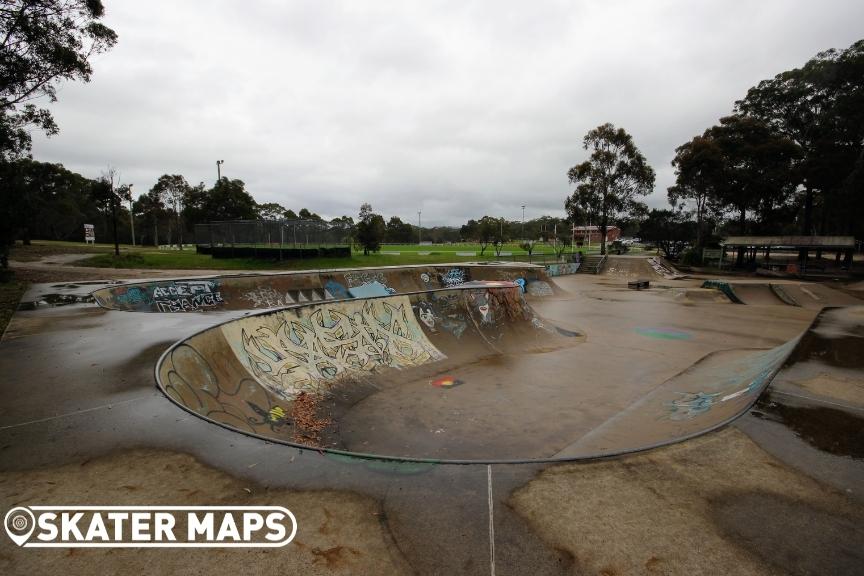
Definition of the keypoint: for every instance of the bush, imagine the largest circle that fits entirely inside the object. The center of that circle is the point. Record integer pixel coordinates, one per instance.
(691, 257)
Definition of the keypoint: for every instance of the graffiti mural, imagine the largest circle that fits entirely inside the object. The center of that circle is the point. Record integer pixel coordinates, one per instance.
(188, 295)
(562, 269)
(306, 351)
(444, 311)
(363, 277)
(453, 277)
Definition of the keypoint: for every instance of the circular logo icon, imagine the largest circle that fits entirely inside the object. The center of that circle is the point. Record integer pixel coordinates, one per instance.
(19, 523)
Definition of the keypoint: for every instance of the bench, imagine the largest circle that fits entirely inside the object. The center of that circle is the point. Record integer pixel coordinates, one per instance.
(637, 284)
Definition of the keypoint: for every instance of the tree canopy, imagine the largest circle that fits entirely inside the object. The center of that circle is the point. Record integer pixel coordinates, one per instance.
(612, 178)
(43, 43)
(370, 229)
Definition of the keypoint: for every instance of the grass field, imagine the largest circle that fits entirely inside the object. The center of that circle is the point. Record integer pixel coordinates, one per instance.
(149, 257)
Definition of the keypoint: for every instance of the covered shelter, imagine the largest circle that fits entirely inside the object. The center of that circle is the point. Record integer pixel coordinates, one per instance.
(749, 246)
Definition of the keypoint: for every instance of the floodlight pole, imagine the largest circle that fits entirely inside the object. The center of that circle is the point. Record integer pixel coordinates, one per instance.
(219, 170)
(419, 227)
(131, 215)
(523, 222)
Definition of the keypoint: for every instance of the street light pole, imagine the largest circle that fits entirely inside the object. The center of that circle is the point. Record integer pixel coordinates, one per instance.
(523, 222)
(131, 215)
(219, 169)
(419, 228)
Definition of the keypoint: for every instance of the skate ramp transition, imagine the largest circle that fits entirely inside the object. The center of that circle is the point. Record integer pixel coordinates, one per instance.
(447, 375)
(264, 291)
(803, 294)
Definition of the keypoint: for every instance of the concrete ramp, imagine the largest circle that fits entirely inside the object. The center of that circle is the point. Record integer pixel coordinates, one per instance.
(469, 373)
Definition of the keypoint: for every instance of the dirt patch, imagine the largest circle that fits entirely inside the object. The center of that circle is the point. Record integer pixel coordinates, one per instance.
(668, 511)
(338, 532)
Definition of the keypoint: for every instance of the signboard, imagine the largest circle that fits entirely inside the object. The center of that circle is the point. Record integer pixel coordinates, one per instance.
(89, 234)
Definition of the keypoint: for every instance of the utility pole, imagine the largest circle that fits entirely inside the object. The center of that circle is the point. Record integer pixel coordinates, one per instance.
(419, 227)
(131, 215)
(219, 170)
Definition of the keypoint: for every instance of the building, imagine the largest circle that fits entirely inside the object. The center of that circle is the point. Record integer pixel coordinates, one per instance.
(586, 234)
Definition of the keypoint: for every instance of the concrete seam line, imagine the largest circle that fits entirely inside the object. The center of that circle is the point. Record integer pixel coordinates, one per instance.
(491, 521)
(48, 419)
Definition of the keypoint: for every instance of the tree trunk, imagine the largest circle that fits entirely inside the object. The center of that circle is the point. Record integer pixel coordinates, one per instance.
(155, 233)
(741, 225)
(604, 220)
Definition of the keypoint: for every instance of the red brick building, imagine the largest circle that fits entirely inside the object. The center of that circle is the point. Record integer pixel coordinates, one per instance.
(581, 234)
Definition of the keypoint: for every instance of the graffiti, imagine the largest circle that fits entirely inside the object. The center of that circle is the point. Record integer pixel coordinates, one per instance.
(295, 353)
(363, 277)
(427, 315)
(521, 283)
(691, 405)
(187, 296)
(132, 296)
(562, 269)
(425, 277)
(336, 290)
(447, 382)
(751, 375)
(539, 288)
(453, 277)
(266, 297)
(442, 311)
(275, 418)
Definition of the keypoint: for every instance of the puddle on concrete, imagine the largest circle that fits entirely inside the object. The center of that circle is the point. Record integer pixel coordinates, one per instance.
(830, 430)
(54, 300)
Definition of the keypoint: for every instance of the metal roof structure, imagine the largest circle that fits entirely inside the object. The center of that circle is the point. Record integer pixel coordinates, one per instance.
(814, 242)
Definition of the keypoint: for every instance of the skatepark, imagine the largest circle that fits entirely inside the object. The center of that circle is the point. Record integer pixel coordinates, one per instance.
(470, 419)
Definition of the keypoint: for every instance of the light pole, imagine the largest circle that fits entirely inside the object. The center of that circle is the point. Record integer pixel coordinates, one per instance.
(219, 169)
(523, 222)
(131, 215)
(419, 227)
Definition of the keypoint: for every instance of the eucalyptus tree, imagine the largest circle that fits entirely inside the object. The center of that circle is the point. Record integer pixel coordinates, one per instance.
(614, 175)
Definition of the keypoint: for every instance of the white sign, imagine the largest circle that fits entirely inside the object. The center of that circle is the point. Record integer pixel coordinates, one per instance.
(89, 233)
(150, 526)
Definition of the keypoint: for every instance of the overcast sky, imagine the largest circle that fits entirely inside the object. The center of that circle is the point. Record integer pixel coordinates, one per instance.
(458, 109)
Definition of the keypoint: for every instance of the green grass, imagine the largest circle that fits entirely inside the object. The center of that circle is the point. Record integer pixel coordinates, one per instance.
(189, 260)
(148, 257)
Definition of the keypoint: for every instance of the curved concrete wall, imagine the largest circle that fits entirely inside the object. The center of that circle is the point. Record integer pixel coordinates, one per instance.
(260, 374)
(264, 291)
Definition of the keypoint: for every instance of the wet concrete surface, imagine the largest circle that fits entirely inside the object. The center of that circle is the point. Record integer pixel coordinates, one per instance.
(77, 387)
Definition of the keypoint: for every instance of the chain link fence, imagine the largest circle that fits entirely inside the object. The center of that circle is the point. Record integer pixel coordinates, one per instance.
(273, 239)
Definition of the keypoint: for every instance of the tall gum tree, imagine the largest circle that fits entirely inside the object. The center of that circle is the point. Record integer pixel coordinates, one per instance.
(612, 178)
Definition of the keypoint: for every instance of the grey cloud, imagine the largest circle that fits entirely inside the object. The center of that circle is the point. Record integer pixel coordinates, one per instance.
(458, 109)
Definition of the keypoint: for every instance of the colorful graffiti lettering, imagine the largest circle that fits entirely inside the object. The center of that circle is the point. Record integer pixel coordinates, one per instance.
(521, 283)
(187, 296)
(303, 353)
